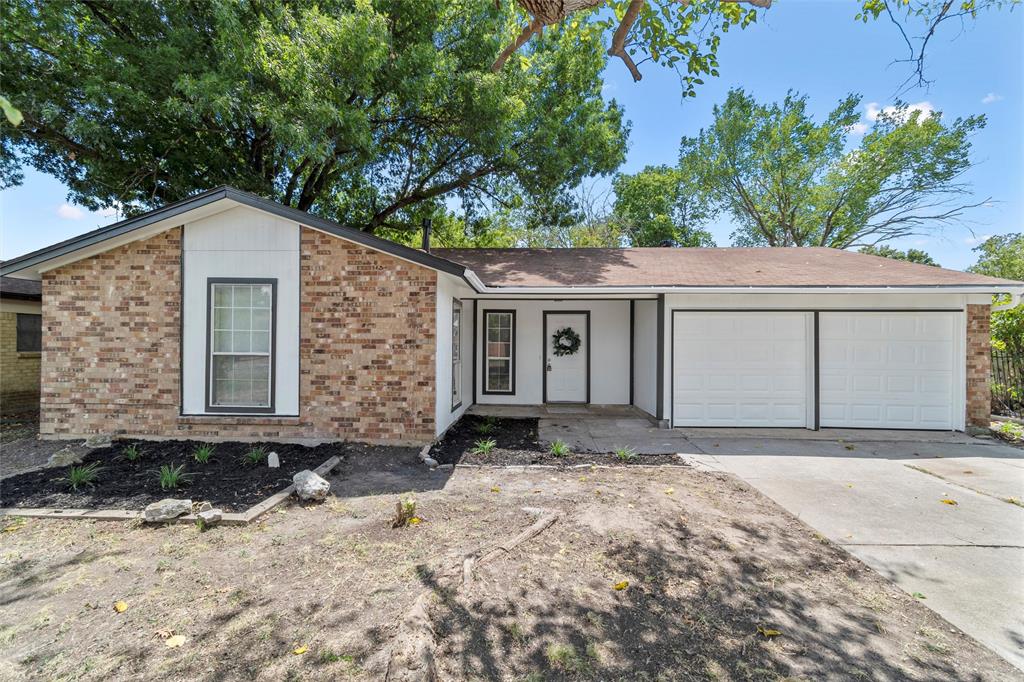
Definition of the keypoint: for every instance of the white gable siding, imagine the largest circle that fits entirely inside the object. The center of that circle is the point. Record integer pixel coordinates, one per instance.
(241, 242)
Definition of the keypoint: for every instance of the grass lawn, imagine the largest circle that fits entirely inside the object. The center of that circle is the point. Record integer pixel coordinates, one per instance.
(709, 571)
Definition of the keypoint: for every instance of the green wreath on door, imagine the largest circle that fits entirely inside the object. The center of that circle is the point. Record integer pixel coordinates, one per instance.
(565, 341)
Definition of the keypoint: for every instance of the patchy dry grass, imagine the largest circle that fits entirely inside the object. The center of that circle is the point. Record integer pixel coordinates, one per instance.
(707, 564)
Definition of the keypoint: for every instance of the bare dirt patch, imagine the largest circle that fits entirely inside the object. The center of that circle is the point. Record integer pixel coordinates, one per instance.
(516, 443)
(702, 560)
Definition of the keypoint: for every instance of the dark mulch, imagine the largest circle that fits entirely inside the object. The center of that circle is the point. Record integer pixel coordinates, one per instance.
(225, 481)
(517, 444)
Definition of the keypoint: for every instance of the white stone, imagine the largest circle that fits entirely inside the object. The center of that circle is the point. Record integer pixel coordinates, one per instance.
(273, 461)
(446, 467)
(430, 462)
(65, 457)
(210, 516)
(99, 440)
(167, 509)
(309, 486)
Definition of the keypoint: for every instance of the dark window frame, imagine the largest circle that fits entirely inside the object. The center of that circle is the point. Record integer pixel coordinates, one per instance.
(457, 352)
(512, 358)
(20, 332)
(208, 388)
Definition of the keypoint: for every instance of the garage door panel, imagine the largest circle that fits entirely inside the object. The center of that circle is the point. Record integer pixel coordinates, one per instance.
(748, 369)
(887, 370)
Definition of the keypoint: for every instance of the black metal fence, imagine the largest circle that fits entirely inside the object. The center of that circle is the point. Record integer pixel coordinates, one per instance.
(1007, 384)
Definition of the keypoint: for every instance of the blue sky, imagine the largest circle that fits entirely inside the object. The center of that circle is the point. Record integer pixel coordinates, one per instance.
(811, 46)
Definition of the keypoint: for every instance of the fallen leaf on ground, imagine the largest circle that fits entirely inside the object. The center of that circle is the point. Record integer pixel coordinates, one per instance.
(414, 520)
(495, 489)
(918, 595)
(948, 501)
(768, 632)
(620, 586)
(175, 641)
(669, 491)
(120, 606)
(848, 447)
(164, 634)
(298, 651)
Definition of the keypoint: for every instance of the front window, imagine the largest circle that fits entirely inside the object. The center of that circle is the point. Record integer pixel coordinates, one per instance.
(499, 348)
(456, 354)
(29, 333)
(241, 343)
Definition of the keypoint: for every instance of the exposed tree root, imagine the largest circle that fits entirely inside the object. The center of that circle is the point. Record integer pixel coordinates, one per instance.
(412, 655)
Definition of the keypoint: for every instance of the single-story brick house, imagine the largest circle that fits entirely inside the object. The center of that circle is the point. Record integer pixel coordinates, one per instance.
(230, 316)
(21, 314)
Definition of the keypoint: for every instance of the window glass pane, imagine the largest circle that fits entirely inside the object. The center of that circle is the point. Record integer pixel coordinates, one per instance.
(222, 342)
(261, 319)
(242, 296)
(498, 376)
(29, 333)
(241, 319)
(260, 342)
(221, 296)
(222, 318)
(261, 296)
(240, 342)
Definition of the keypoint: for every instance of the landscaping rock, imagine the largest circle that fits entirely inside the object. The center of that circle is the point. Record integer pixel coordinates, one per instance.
(99, 440)
(309, 486)
(67, 456)
(210, 517)
(273, 461)
(430, 462)
(446, 467)
(167, 509)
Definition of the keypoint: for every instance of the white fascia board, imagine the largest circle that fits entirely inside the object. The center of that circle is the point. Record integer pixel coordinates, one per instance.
(1012, 290)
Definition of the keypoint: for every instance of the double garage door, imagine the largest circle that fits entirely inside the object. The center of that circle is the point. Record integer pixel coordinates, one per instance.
(843, 369)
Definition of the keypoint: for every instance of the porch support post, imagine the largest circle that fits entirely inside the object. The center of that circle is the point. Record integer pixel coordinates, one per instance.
(632, 343)
(661, 357)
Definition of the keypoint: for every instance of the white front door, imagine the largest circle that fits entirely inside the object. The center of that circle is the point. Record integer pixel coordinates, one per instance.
(566, 371)
(740, 369)
(889, 370)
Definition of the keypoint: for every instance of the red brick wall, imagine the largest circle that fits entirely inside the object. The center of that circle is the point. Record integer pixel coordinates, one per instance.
(366, 356)
(110, 341)
(979, 365)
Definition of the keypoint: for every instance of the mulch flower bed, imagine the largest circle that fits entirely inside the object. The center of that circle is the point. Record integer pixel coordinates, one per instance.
(226, 481)
(517, 443)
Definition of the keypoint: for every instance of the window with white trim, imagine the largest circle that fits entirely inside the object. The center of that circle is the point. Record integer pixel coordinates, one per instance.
(499, 358)
(241, 340)
(456, 354)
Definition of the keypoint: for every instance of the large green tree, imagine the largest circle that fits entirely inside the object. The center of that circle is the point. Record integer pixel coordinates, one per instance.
(787, 180)
(372, 112)
(656, 208)
(1003, 256)
(910, 255)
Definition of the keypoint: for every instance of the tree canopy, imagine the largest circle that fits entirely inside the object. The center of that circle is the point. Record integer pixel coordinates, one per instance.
(371, 113)
(787, 180)
(1003, 256)
(655, 208)
(910, 255)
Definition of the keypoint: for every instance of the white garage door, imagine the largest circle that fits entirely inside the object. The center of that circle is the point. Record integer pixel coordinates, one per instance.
(740, 369)
(887, 370)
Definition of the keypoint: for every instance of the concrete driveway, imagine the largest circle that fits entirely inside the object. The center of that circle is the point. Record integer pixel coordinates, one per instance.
(880, 494)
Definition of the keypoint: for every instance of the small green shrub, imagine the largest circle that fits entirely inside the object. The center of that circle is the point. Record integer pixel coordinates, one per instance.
(132, 453)
(203, 453)
(486, 426)
(559, 449)
(625, 454)
(171, 477)
(255, 456)
(483, 447)
(83, 476)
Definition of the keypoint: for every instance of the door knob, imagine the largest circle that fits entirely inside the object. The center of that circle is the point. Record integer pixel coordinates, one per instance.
(549, 367)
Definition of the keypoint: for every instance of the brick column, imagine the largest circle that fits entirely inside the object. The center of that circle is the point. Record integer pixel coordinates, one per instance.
(979, 365)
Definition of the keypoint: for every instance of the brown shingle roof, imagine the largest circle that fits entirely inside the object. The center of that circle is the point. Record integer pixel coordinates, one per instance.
(665, 267)
(24, 289)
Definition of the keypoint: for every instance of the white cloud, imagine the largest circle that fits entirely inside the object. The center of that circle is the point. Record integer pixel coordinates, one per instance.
(858, 128)
(991, 97)
(873, 112)
(70, 212)
(975, 240)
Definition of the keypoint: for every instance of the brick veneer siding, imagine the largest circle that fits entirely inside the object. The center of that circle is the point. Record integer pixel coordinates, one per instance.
(111, 325)
(366, 350)
(979, 365)
(19, 372)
